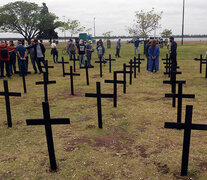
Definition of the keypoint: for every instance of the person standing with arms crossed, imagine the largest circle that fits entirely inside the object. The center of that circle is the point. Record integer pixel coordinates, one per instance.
(173, 52)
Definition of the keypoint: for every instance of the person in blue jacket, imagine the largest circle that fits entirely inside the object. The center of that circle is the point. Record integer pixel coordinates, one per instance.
(136, 46)
(153, 52)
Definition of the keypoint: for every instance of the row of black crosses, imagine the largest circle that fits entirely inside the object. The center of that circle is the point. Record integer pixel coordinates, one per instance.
(171, 70)
(47, 121)
(202, 61)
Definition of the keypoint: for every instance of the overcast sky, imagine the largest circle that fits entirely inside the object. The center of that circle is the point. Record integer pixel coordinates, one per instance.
(117, 15)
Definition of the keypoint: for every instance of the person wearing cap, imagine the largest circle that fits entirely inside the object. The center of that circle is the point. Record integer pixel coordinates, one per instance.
(21, 56)
(81, 52)
(173, 51)
(90, 50)
(5, 58)
(118, 47)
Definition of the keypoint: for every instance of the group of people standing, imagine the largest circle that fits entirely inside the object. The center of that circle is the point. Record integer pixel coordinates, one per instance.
(153, 52)
(84, 50)
(9, 53)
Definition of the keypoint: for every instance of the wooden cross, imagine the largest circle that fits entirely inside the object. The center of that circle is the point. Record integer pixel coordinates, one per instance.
(7, 94)
(132, 65)
(47, 67)
(100, 63)
(110, 62)
(180, 97)
(124, 72)
(23, 77)
(98, 95)
(173, 83)
(202, 61)
(86, 68)
(166, 62)
(45, 82)
(187, 126)
(63, 65)
(171, 69)
(74, 60)
(139, 61)
(47, 122)
(115, 82)
(71, 74)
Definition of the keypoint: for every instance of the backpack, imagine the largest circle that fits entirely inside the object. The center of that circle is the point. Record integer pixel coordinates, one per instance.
(4, 52)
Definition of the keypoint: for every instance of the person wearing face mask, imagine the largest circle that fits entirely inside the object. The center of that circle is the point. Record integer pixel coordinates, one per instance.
(173, 51)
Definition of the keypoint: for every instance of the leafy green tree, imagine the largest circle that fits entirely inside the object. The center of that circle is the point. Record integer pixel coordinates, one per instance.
(24, 18)
(145, 22)
(73, 26)
(166, 33)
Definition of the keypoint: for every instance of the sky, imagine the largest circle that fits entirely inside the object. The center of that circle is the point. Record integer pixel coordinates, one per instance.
(118, 15)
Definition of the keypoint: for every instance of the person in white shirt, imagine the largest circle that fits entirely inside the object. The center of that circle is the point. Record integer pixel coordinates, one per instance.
(54, 51)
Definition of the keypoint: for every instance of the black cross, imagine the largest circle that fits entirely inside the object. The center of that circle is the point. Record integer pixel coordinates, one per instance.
(100, 63)
(98, 95)
(132, 65)
(74, 60)
(45, 82)
(47, 67)
(71, 74)
(63, 65)
(47, 121)
(115, 82)
(173, 83)
(139, 61)
(201, 62)
(172, 68)
(124, 72)
(180, 97)
(187, 126)
(86, 68)
(110, 62)
(6, 93)
(23, 77)
(166, 62)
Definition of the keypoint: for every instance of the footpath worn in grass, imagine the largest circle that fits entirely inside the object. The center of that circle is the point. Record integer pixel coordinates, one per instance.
(133, 143)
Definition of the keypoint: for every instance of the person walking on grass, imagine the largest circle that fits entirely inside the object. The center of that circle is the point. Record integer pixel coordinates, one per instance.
(54, 51)
(153, 52)
(81, 52)
(118, 48)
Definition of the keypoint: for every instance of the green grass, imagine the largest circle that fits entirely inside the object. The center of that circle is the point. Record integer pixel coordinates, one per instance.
(133, 143)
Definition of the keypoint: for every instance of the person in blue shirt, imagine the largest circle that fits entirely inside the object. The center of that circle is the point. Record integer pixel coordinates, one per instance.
(136, 46)
(153, 52)
(173, 51)
(21, 56)
(118, 48)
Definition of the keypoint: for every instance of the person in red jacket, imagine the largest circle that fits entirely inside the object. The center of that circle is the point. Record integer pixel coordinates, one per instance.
(5, 58)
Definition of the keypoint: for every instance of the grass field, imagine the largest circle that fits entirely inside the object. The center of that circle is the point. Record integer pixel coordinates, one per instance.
(133, 143)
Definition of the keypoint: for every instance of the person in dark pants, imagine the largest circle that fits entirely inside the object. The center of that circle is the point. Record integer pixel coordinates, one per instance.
(89, 50)
(12, 55)
(39, 51)
(54, 51)
(5, 59)
(21, 56)
(118, 47)
(173, 52)
(32, 56)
